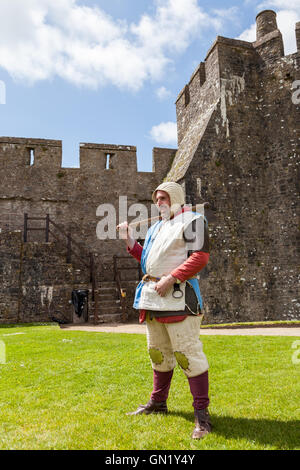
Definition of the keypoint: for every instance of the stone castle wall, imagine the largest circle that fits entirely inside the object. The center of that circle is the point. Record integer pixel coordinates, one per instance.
(238, 149)
(71, 196)
(36, 282)
(35, 183)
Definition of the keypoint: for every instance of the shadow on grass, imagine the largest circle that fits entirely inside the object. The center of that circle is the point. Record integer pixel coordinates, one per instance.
(279, 434)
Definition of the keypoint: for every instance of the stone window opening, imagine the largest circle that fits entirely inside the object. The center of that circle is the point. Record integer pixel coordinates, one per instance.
(202, 73)
(186, 95)
(109, 165)
(199, 187)
(31, 157)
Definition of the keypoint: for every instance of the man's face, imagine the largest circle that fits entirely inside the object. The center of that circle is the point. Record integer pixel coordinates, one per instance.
(163, 203)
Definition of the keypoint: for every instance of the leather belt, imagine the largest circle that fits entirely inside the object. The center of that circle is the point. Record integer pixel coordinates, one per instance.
(177, 292)
(148, 278)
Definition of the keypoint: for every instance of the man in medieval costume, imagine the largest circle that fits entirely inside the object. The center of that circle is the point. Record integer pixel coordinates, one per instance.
(169, 300)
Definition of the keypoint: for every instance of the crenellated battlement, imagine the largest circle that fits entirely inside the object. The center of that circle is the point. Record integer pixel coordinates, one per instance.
(35, 182)
(227, 58)
(19, 154)
(103, 158)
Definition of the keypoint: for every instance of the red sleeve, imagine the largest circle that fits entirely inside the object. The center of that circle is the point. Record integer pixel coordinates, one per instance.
(197, 261)
(136, 251)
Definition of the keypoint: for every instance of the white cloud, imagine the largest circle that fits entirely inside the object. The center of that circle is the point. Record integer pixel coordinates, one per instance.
(165, 133)
(286, 20)
(174, 25)
(288, 13)
(41, 39)
(232, 14)
(163, 94)
(249, 34)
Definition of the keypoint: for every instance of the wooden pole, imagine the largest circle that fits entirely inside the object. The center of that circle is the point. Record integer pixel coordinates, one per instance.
(25, 227)
(47, 227)
(153, 219)
(69, 248)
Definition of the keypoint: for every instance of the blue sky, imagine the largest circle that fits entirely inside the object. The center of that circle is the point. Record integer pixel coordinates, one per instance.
(109, 71)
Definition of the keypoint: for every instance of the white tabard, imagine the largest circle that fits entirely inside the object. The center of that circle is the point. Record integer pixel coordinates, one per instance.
(168, 251)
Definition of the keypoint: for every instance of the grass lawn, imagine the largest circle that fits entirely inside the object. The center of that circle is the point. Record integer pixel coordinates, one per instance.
(71, 390)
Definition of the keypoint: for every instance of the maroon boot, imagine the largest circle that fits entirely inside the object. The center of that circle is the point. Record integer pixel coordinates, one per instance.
(202, 424)
(151, 407)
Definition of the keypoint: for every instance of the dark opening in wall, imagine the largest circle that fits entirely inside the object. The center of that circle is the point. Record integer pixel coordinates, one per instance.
(202, 73)
(30, 157)
(186, 95)
(109, 165)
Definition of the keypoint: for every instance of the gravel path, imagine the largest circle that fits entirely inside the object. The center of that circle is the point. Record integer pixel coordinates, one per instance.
(141, 329)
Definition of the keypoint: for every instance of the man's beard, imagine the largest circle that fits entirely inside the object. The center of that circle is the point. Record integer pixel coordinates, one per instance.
(164, 211)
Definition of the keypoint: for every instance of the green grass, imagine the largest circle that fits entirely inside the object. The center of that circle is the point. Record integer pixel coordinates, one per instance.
(71, 390)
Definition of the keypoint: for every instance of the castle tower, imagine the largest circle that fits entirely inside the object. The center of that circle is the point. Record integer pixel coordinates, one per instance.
(238, 150)
(265, 23)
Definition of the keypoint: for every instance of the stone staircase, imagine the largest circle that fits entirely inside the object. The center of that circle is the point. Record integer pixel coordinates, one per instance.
(39, 277)
(37, 282)
(109, 304)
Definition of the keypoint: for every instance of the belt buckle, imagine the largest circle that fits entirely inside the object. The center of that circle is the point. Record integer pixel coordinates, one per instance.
(177, 292)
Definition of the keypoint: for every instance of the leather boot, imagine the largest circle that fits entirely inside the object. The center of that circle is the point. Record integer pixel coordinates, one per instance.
(151, 407)
(202, 424)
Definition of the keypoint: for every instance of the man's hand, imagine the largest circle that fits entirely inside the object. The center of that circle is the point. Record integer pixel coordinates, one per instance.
(164, 285)
(126, 234)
